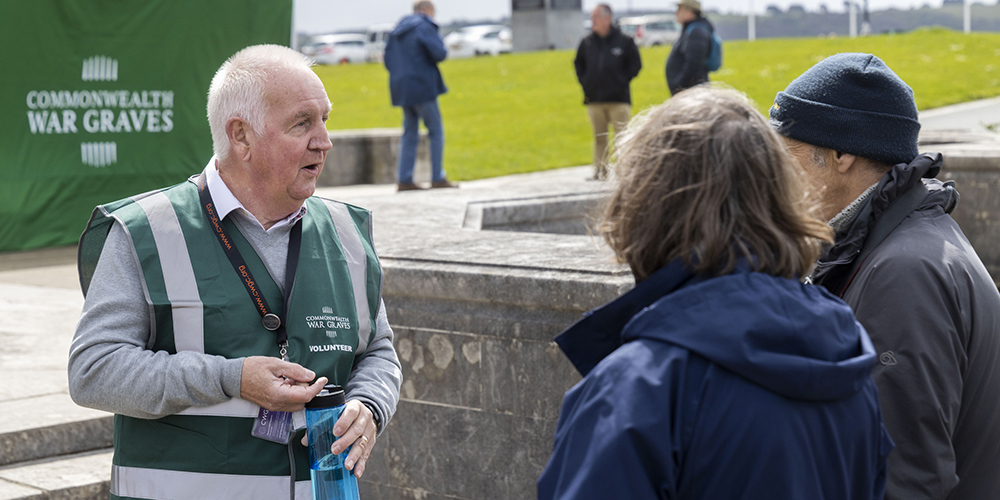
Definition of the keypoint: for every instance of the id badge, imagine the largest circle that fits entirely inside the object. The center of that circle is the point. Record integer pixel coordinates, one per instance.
(272, 425)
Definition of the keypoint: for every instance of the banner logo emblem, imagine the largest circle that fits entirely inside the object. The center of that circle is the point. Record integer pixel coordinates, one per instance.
(100, 69)
(99, 154)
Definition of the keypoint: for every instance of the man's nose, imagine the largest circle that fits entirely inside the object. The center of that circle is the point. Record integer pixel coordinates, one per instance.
(321, 141)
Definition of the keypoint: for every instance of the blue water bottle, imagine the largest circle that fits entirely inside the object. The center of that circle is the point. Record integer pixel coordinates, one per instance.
(330, 479)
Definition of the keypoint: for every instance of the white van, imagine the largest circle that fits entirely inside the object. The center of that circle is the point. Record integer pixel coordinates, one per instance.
(375, 40)
(651, 31)
(486, 39)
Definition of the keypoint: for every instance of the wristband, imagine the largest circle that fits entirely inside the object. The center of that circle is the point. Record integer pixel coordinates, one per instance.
(378, 421)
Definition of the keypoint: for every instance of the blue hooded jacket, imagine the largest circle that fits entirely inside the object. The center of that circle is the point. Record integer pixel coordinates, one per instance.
(411, 56)
(742, 386)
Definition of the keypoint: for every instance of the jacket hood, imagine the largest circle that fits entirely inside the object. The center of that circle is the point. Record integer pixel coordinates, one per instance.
(409, 23)
(795, 340)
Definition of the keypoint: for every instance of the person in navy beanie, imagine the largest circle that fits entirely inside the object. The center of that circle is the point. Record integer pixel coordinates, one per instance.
(907, 271)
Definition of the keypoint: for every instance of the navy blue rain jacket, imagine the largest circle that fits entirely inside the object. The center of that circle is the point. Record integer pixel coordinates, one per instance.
(744, 386)
(411, 56)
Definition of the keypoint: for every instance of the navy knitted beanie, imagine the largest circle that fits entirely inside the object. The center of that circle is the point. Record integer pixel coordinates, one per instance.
(852, 103)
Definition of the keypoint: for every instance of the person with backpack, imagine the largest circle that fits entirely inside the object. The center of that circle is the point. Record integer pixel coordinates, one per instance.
(696, 52)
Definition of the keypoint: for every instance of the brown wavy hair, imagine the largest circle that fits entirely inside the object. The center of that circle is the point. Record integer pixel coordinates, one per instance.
(704, 178)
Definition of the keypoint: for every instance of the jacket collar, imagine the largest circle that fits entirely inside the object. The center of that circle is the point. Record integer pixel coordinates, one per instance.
(836, 261)
(599, 332)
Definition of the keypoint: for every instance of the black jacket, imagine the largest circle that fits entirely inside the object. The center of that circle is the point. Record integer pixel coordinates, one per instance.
(933, 314)
(605, 66)
(686, 64)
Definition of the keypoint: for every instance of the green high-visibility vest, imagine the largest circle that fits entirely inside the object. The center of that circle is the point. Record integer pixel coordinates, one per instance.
(199, 304)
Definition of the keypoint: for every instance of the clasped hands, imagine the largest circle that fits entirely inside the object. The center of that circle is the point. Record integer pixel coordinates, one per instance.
(282, 386)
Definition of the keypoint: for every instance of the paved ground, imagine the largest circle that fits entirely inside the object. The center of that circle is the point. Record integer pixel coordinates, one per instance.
(980, 116)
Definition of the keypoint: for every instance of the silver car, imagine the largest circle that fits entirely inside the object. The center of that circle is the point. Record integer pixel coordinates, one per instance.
(651, 31)
(341, 48)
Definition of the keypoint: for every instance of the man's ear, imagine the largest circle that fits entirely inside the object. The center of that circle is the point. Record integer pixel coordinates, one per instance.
(845, 161)
(239, 137)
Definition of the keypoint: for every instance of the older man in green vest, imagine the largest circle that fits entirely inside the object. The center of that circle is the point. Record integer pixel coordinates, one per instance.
(217, 307)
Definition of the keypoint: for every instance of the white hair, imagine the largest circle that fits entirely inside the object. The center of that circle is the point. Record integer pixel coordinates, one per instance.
(237, 89)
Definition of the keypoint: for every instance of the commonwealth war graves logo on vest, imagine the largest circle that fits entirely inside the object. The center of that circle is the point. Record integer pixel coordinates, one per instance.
(329, 322)
(99, 111)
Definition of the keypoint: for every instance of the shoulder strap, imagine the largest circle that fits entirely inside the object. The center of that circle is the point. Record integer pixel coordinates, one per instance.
(898, 210)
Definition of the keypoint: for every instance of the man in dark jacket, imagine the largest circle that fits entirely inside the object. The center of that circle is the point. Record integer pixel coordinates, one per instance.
(411, 56)
(686, 64)
(606, 61)
(908, 272)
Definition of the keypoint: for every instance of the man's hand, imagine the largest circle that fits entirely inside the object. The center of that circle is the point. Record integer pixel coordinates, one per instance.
(356, 428)
(278, 385)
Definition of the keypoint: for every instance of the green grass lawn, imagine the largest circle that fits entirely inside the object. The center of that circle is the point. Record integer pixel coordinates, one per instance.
(524, 112)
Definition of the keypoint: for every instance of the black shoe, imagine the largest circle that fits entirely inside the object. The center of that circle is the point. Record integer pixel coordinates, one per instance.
(408, 186)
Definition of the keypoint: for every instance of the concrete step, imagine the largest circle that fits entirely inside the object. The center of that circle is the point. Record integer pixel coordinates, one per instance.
(48, 426)
(82, 476)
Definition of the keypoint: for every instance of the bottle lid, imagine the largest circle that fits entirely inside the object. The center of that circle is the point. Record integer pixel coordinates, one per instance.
(331, 395)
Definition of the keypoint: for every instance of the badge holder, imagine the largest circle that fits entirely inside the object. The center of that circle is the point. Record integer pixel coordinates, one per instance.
(275, 426)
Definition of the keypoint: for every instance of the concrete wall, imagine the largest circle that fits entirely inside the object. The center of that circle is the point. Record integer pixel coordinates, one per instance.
(483, 382)
(975, 169)
(368, 156)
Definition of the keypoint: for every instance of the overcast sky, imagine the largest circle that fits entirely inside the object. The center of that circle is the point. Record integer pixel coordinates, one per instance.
(320, 16)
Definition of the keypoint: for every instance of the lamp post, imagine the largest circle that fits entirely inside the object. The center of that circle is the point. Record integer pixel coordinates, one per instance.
(852, 17)
(751, 24)
(967, 16)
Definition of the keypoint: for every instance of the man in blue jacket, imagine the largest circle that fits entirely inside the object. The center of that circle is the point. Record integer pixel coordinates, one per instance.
(411, 56)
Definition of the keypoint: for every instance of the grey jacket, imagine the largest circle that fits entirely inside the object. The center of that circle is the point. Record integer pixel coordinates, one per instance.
(933, 314)
(111, 368)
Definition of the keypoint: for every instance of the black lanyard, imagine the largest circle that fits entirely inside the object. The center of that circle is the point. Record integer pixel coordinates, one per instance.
(270, 320)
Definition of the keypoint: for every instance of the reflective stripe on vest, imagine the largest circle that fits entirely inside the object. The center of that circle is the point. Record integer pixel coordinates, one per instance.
(136, 482)
(186, 311)
(357, 262)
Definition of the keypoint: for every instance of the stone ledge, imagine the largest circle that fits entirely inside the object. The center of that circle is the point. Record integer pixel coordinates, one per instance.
(561, 289)
(85, 476)
(369, 156)
(963, 150)
(556, 214)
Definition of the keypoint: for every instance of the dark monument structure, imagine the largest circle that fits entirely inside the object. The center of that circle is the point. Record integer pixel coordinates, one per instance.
(546, 24)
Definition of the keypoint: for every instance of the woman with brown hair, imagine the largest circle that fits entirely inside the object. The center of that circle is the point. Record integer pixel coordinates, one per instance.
(719, 375)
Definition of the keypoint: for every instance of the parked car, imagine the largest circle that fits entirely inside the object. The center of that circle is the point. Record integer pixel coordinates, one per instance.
(375, 40)
(341, 48)
(469, 41)
(650, 31)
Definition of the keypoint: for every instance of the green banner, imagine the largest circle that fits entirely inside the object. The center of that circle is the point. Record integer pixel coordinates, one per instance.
(103, 99)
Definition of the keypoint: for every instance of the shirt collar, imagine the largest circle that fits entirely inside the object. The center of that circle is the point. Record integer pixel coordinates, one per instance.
(226, 202)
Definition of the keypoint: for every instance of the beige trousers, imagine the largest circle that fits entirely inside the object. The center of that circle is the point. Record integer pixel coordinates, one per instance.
(601, 115)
